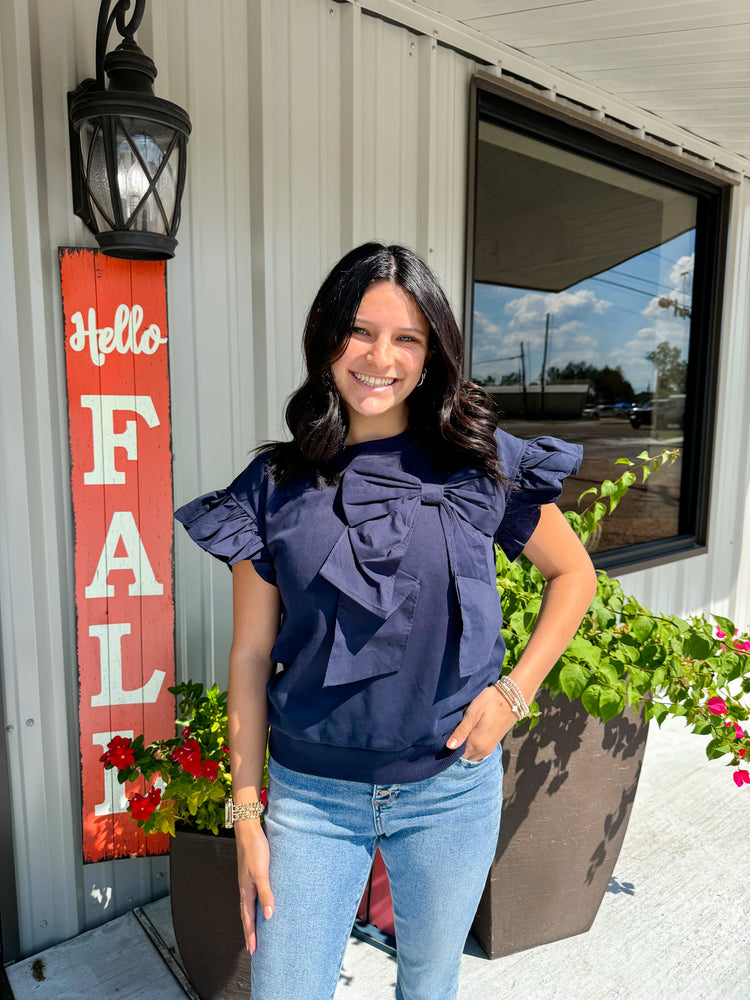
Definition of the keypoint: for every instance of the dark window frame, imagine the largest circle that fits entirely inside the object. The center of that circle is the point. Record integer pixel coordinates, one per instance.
(512, 106)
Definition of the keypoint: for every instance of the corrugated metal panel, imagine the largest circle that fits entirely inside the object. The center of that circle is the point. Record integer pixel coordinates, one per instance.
(316, 126)
(37, 684)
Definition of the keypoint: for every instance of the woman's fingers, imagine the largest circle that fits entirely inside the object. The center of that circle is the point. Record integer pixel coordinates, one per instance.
(265, 897)
(464, 728)
(252, 863)
(247, 911)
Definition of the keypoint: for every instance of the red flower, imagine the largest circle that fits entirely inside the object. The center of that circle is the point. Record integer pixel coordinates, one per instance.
(225, 749)
(720, 634)
(119, 753)
(264, 796)
(210, 769)
(716, 706)
(186, 732)
(141, 806)
(742, 752)
(741, 778)
(189, 757)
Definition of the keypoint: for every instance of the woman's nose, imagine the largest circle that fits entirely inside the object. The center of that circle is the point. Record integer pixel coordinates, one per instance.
(381, 352)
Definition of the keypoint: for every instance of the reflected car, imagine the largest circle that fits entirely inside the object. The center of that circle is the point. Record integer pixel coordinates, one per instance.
(659, 412)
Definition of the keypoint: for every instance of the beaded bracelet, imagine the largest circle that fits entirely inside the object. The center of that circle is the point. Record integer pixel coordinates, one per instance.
(246, 810)
(512, 694)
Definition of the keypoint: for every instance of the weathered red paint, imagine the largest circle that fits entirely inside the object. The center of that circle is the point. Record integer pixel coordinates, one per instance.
(136, 630)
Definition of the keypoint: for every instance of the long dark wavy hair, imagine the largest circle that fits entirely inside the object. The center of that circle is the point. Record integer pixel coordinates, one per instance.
(451, 416)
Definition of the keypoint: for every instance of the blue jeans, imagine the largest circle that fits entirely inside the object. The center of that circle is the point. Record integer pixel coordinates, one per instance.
(437, 837)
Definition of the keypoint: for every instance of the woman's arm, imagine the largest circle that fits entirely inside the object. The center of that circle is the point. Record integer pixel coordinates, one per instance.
(557, 552)
(257, 607)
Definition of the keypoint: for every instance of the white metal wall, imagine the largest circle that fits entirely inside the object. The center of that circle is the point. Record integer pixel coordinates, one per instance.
(315, 127)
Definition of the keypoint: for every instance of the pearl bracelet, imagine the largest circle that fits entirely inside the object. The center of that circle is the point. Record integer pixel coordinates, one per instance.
(512, 694)
(246, 810)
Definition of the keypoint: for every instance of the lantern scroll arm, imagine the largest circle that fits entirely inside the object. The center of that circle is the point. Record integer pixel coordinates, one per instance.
(104, 26)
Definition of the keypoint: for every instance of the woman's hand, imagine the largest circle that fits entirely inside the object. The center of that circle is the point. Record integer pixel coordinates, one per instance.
(486, 720)
(252, 875)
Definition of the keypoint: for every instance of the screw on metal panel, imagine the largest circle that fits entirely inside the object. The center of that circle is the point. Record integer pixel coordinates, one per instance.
(42, 923)
(130, 899)
(332, 12)
(10, 728)
(29, 722)
(160, 874)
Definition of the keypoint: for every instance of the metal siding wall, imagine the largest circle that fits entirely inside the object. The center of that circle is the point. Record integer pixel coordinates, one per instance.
(35, 634)
(315, 127)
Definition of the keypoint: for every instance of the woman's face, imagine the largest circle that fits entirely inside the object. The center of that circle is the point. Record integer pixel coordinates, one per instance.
(382, 362)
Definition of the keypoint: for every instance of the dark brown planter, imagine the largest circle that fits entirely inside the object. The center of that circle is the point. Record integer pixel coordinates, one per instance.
(568, 790)
(206, 914)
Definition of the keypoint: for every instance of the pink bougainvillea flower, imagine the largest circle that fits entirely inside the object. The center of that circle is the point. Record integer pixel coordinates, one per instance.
(119, 753)
(739, 732)
(188, 756)
(720, 634)
(741, 778)
(210, 769)
(716, 706)
(141, 806)
(743, 647)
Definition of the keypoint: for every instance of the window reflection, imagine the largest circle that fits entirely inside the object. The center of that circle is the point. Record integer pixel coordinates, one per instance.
(582, 307)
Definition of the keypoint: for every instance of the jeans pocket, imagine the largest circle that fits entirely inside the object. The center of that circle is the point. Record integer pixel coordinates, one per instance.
(465, 762)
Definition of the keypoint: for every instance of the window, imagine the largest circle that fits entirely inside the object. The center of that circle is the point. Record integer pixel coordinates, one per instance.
(592, 312)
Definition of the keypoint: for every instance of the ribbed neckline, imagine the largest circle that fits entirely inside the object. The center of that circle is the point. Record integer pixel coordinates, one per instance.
(378, 446)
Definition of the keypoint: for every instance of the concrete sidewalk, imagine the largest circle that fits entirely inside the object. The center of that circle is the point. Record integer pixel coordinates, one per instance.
(672, 925)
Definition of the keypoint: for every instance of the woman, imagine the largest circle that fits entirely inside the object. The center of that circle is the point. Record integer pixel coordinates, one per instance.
(363, 563)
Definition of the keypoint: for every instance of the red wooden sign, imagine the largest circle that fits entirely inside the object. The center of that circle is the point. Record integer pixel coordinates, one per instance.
(118, 406)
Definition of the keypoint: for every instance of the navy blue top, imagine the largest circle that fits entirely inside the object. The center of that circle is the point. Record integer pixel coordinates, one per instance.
(390, 611)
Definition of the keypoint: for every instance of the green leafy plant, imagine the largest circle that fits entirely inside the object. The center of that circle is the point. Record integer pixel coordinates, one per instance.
(188, 774)
(624, 654)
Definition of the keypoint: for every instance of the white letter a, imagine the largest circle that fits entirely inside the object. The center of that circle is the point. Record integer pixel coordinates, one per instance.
(123, 527)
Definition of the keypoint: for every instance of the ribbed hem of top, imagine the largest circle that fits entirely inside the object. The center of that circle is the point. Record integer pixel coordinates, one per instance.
(375, 767)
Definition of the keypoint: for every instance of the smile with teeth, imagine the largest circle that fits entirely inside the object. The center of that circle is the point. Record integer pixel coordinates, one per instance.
(372, 382)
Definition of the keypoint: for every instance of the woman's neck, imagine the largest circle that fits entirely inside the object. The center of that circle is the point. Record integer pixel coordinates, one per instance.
(368, 430)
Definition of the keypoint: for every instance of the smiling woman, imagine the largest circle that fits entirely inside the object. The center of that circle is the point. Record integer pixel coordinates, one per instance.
(382, 363)
(364, 567)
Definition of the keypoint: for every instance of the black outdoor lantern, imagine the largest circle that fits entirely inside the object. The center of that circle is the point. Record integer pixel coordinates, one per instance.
(127, 147)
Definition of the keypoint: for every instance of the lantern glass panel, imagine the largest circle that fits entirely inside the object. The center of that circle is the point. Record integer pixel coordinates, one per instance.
(95, 167)
(141, 148)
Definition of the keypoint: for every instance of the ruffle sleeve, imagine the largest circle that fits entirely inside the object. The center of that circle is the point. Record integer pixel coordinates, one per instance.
(541, 465)
(227, 529)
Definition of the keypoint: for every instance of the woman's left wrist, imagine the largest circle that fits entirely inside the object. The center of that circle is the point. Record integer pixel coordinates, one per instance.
(511, 693)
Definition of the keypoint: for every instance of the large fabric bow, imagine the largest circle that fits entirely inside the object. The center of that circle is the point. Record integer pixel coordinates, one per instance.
(381, 507)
